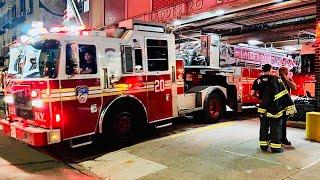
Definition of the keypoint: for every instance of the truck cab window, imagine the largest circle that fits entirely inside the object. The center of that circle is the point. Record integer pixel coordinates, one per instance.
(138, 57)
(127, 61)
(157, 51)
(81, 59)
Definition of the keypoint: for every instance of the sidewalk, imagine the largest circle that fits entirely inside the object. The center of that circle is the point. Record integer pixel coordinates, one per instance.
(19, 161)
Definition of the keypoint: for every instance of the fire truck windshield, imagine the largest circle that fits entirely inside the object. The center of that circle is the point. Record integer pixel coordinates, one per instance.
(36, 60)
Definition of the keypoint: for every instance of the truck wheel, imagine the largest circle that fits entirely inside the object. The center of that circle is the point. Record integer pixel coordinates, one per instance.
(214, 108)
(121, 127)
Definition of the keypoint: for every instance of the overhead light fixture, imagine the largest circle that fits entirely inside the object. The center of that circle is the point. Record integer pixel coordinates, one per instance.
(254, 42)
(290, 48)
(220, 12)
(177, 22)
(242, 44)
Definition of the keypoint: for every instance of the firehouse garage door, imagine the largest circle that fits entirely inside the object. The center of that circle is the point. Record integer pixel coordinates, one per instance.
(281, 33)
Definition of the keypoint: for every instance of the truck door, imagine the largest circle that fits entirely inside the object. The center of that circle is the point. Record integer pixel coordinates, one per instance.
(159, 80)
(80, 89)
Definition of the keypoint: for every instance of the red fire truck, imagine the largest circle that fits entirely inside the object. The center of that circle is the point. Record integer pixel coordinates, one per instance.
(71, 86)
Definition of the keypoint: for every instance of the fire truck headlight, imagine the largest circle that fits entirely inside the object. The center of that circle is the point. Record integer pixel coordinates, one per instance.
(37, 103)
(9, 99)
(34, 94)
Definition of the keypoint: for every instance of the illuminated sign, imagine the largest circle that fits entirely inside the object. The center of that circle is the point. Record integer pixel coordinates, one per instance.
(184, 9)
(231, 54)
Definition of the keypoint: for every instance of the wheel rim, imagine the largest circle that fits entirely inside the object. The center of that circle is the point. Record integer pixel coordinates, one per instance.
(214, 108)
(123, 126)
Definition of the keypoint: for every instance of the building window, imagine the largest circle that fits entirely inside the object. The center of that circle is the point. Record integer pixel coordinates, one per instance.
(157, 55)
(83, 6)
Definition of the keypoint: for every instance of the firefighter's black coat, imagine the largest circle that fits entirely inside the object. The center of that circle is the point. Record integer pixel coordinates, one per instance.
(275, 99)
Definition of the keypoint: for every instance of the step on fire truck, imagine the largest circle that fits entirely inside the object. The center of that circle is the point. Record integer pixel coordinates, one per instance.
(69, 86)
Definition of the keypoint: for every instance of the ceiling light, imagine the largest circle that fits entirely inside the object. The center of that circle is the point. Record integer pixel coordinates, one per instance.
(254, 42)
(242, 44)
(290, 48)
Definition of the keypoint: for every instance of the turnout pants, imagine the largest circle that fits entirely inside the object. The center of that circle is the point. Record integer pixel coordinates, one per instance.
(284, 128)
(274, 140)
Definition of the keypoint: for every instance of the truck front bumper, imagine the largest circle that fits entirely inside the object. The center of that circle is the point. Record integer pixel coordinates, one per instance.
(34, 136)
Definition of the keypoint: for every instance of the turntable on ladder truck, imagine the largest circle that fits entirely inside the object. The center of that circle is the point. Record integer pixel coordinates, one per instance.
(69, 85)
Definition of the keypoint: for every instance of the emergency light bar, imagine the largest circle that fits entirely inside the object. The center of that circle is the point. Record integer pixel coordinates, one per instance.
(37, 29)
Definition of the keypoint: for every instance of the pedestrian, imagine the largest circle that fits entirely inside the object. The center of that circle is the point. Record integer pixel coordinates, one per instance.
(290, 85)
(274, 103)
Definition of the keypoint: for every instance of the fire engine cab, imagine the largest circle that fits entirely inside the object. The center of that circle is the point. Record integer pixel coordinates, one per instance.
(70, 86)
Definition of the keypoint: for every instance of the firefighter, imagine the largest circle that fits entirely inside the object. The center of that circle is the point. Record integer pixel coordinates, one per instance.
(258, 90)
(274, 103)
(290, 85)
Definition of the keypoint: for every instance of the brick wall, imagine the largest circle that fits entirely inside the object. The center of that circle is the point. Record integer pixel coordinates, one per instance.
(317, 60)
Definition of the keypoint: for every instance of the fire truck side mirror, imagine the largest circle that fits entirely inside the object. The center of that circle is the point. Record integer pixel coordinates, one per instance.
(138, 69)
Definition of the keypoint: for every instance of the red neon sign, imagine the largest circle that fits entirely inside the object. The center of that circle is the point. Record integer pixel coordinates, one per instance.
(264, 57)
(176, 11)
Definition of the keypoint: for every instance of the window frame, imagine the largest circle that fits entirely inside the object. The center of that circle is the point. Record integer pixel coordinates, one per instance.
(167, 59)
(79, 60)
(135, 60)
(124, 60)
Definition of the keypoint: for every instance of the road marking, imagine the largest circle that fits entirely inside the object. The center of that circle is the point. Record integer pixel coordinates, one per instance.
(261, 159)
(198, 130)
(311, 164)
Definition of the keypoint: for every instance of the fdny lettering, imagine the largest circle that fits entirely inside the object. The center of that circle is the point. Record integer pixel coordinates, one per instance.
(39, 116)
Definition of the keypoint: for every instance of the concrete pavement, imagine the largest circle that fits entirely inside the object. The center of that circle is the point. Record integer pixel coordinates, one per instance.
(19, 161)
(227, 150)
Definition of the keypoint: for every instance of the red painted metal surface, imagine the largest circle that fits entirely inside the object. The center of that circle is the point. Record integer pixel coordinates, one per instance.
(305, 82)
(114, 11)
(145, 6)
(160, 98)
(248, 75)
(73, 83)
(41, 116)
(77, 116)
(169, 10)
(32, 136)
(160, 4)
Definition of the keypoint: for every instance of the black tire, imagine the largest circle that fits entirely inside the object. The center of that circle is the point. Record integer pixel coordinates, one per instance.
(214, 109)
(121, 128)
